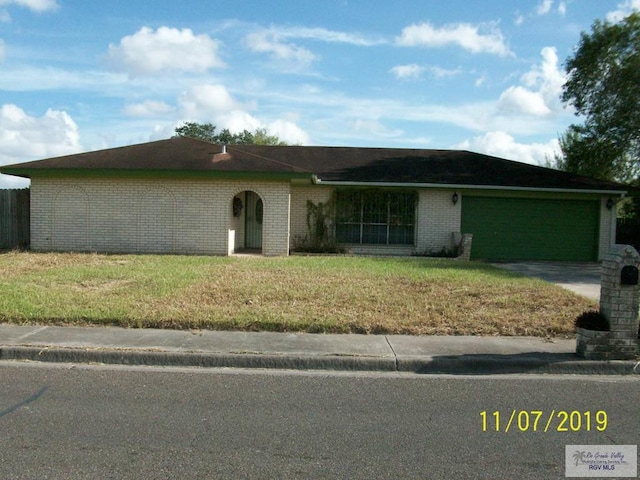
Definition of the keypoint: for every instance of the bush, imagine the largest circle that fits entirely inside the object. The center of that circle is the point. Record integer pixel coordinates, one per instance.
(305, 245)
(444, 252)
(593, 320)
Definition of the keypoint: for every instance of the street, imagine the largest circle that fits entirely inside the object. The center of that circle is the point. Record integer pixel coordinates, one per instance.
(109, 422)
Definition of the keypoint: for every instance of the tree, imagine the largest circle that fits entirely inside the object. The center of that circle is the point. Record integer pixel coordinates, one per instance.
(199, 131)
(207, 132)
(261, 137)
(603, 85)
(586, 154)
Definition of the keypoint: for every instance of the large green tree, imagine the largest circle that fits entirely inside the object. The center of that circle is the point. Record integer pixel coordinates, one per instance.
(207, 132)
(603, 85)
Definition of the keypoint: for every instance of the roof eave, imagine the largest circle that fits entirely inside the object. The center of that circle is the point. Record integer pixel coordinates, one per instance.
(146, 173)
(460, 186)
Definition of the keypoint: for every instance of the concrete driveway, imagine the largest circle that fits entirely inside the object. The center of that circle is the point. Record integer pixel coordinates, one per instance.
(581, 278)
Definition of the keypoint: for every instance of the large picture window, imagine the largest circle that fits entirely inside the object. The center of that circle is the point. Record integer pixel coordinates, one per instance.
(375, 217)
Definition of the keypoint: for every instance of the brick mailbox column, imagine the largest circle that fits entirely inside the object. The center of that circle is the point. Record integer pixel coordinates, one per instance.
(619, 302)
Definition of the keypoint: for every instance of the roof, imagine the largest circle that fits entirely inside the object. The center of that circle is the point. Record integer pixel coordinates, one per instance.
(348, 165)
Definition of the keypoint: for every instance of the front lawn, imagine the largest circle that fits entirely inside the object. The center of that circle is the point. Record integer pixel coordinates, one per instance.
(332, 294)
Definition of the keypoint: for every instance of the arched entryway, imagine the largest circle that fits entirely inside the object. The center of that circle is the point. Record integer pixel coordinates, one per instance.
(246, 229)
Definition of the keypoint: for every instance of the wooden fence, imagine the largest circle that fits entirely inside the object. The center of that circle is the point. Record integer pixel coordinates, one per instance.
(14, 219)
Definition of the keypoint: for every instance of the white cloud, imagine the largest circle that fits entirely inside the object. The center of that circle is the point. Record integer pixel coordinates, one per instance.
(624, 9)
(288, 132)
(468, 36)
(501, 144)
(373, 128)
(203, 102)
(149, 108)
(275, 42)
(542, 87)
(24, 138)
(520, 100)
(440, 72)
(214, 103)
(330, 36)
(562, 8)
(412, 71)
(272, 43)
(35, 5)
(149, 52)
(544, 7)
(237, 121)
(547, 78)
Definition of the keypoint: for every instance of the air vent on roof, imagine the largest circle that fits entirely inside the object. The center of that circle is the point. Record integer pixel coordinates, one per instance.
(219, 157)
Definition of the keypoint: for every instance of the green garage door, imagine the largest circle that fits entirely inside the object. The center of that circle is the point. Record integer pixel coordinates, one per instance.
(532, 229)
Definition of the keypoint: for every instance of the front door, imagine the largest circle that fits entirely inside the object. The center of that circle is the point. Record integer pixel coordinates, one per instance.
(253, 220)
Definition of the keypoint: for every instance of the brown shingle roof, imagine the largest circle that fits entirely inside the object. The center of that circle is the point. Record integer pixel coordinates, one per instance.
(329, 164)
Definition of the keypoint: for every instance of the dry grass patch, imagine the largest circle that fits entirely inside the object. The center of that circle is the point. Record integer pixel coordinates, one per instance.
(308, 294)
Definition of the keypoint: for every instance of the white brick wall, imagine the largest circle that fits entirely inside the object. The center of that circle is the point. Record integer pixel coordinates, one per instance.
(607, 228)
(150, 216)
(437, 219)
(195, 216)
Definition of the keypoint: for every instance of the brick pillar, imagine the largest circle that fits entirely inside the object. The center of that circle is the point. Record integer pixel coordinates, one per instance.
(619, 300)
(464, 247)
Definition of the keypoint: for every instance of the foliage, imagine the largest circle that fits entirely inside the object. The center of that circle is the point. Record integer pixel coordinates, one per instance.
(319, 240)
(207, 133)
(307, 245)
(585, 153)
(444, 252)
(261, 137)
(603, 85)
(593, 320)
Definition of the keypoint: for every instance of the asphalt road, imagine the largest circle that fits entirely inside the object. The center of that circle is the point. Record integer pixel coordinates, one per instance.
(68, 422)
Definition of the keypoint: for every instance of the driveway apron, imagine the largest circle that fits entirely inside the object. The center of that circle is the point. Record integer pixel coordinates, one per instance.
(580, 278)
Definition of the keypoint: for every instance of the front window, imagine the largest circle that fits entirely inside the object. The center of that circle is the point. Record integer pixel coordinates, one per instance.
(375, 217)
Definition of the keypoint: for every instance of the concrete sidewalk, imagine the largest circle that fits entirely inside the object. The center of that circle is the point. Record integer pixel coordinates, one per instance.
(390, 353)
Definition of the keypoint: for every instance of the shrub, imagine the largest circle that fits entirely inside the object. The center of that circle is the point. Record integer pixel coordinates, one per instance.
(319, 238)
(593, 320)
(306, 245)
(444, 252)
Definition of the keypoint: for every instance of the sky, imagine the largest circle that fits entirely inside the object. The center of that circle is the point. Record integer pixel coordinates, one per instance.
(485, 76)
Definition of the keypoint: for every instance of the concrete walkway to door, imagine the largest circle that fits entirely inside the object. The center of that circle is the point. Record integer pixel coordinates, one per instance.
(581, 278)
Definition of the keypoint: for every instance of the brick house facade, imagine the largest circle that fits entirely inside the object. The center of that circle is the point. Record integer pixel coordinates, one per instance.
(184, 196)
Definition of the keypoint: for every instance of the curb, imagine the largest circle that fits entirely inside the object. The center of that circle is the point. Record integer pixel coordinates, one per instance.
(197, 359)
(490, 365)
(452, 365)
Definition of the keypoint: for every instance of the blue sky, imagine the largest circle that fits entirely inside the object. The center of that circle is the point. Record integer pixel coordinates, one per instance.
(78, 75)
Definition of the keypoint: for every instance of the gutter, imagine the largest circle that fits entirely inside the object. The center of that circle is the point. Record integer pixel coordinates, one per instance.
(454, 186)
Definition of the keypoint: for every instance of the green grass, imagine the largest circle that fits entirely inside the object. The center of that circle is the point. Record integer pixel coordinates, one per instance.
(333, 294)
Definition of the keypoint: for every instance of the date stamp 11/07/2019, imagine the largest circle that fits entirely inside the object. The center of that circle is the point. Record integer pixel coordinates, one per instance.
(541, 421)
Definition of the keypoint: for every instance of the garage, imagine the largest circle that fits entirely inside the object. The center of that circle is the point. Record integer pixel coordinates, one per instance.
(509, 229)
